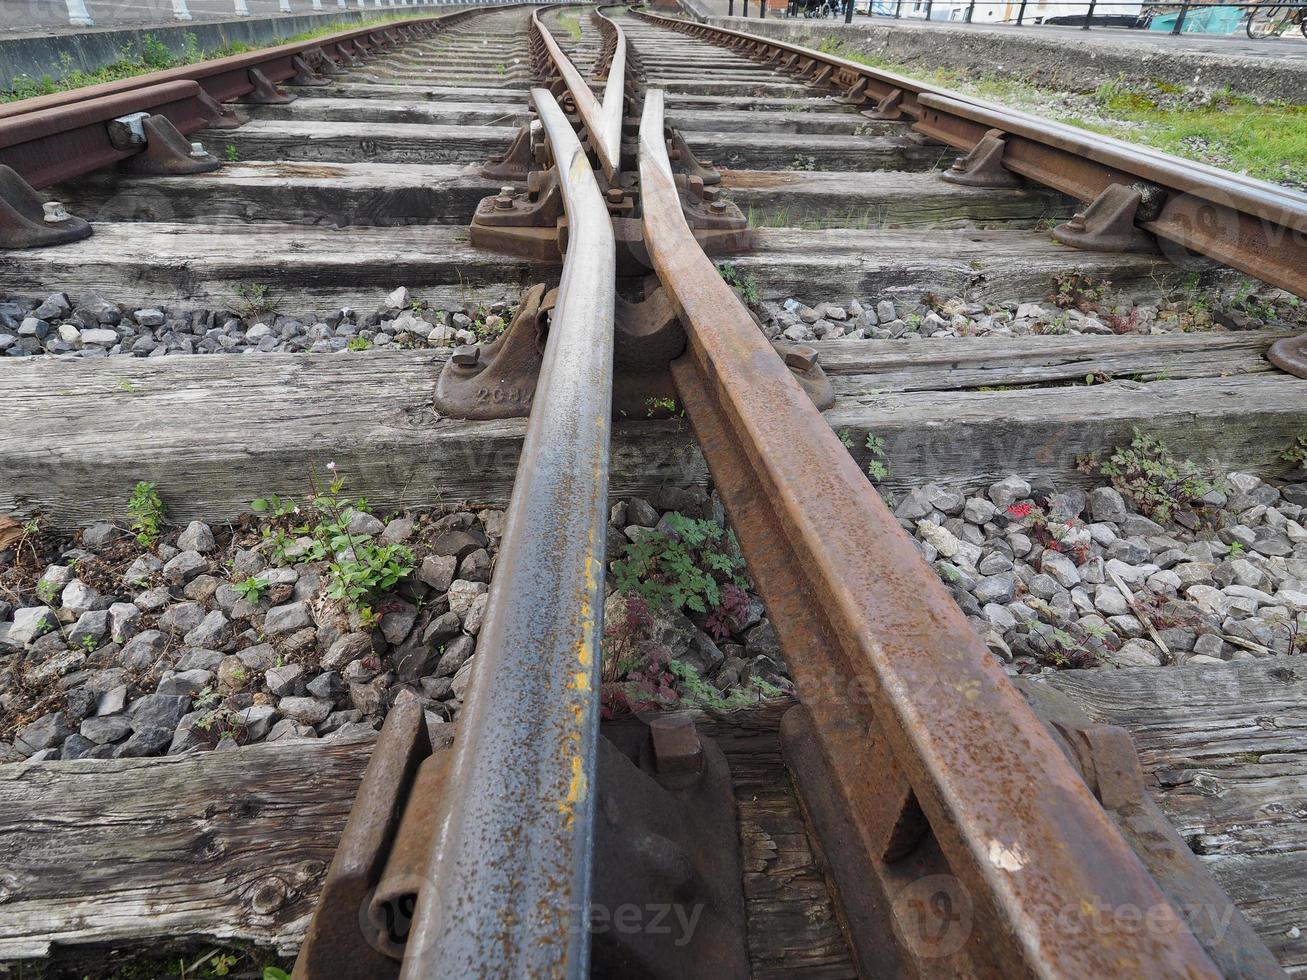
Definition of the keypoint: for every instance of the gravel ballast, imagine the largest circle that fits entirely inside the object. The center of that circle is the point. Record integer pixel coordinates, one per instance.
(111, 650)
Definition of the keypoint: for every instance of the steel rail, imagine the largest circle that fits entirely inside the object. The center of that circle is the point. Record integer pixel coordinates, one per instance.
(225, 78)
(602, 120)
(507, 888)
(1254, 226)
(70, 140)
(57, 137)
(908, 701)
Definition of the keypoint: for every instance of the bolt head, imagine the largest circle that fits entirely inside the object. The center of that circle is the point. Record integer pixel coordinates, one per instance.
(54, 212)
(468, 355)
(801, 358)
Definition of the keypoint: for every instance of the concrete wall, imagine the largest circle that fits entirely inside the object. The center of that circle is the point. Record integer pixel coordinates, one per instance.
(57, 54)
(1069, 60)
(35, 16)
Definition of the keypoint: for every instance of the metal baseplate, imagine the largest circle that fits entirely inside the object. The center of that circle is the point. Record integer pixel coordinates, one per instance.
(1290, 355)
(667, 897)
(27, 221)
(1108, 224)
(265, 92)
(167, 152)
(983, 166)
(904, 909)
(498, 380)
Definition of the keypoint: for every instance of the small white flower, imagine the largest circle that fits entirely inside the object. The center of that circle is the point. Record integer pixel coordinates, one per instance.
(332, 466)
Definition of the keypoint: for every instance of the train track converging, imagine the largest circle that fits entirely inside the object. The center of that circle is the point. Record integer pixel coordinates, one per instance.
(630, 179)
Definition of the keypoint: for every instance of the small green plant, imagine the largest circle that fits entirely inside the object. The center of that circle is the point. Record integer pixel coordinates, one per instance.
(1075, 290)
(275, 973)
(358, 343)
(501, 68)
(255, 300)
(230, 153)
(251, 589)
(125, 385)
(661, 406)
(684, 566)
(47, 592)
(741, 282)
(1147, 473)
(1296, 455)
(147, 512)
(358, 568)
(1236, 550)
(88, 644)
(877, 468)
(273, 506)
(698, 692)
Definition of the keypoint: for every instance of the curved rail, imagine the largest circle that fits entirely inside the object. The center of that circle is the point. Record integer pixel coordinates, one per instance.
(910, 707)
(603, 120)
(507, 891)
(1254, 226)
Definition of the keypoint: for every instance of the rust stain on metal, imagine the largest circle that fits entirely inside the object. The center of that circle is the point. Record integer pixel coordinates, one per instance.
(853, 600)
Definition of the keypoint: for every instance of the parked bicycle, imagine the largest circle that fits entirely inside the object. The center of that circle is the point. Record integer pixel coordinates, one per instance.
(1272, 20)
(815, 8)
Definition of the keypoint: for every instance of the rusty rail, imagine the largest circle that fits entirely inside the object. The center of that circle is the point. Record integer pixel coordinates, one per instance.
(224, 78)
(1256, 227)
(508, 883)
(603, 120)
(935, 752)
(56, 137)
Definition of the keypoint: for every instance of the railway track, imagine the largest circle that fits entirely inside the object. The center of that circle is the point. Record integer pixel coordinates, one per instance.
(942, 819)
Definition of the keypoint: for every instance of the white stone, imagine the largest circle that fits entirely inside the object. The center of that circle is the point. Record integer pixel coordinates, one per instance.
(100, 337)
(943, 540)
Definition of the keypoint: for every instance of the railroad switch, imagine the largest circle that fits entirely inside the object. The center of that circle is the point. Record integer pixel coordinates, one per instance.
(498, 380)
(667, 899)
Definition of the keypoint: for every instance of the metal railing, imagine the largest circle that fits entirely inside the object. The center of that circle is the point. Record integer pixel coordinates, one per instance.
(1187, 17)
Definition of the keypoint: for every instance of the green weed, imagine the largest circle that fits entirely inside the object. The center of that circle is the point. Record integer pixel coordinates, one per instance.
(685, 566)
(148, 514)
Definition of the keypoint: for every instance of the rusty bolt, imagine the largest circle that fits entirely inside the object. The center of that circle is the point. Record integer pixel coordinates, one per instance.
(801, 358)
(615, 195)
(676, 745)
(467, 356)
(54, 212)
(504, 202)
(718, 206)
